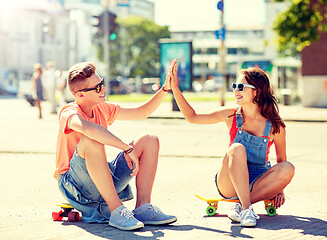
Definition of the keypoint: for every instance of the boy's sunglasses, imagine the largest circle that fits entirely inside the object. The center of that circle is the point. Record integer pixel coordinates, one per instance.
(240, 86)
(97, 88)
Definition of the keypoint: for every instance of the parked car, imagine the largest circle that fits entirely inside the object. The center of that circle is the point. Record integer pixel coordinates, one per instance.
(213, 85)
(118, 86)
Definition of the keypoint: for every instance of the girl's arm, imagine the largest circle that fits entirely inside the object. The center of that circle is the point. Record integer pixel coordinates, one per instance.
(280, 145)
(189, 113)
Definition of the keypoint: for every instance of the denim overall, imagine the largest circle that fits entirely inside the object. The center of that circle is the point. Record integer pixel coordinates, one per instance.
(256, 149)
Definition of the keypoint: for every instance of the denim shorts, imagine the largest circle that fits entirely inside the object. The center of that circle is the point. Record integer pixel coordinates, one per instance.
(78, 188)
(255, 171)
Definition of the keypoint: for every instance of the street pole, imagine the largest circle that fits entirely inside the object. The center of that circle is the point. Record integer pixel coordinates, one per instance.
(55, 59)
(106, 50)
(1, 52)
(222, 52)
(123, 34)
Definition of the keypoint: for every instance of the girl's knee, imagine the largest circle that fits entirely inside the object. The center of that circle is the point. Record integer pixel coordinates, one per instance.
(236, 150)
(286, 170)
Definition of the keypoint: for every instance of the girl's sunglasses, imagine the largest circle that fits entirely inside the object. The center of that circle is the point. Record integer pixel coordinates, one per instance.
(240, 86)
(97, 88)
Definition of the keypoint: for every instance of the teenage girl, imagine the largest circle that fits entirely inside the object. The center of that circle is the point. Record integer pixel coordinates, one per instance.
(254, 125)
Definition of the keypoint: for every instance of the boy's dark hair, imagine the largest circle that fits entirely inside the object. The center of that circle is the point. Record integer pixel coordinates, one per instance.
(77, 75)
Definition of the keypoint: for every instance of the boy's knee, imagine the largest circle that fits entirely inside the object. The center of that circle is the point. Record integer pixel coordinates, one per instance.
(150, 139)
(86, 144)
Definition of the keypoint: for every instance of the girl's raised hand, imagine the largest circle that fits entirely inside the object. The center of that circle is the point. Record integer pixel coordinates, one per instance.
(167, 84)
(174, 79)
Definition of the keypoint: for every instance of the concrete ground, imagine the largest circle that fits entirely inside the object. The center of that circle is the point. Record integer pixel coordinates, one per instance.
(189, 158)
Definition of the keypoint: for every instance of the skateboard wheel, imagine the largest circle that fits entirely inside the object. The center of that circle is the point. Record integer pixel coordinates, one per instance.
(271, 211)
(211, 211)
(73, 216)
(56, 216)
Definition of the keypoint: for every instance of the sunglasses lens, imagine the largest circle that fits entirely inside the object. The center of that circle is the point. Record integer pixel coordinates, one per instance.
(99, 87)
(240, 87)
(234, 86)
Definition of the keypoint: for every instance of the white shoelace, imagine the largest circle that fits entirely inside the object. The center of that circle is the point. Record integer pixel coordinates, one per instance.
(252, 213)
(155, 209)
(125, 212)
(237, 208)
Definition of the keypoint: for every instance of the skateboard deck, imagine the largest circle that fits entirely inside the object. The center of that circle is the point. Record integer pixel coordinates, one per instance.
(66, 211)
(213, 205)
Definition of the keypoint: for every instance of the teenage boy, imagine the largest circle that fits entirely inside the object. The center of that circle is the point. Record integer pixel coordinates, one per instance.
(90, 183)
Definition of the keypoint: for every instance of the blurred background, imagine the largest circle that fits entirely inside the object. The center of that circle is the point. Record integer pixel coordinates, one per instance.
(133, 41)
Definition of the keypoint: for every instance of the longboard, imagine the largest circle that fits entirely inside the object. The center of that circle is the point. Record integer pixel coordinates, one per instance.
(213, 205)
(66, 211)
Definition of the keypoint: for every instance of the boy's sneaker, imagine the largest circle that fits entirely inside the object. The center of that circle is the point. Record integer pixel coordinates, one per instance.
(152, 215)
(123, 219)
(249, 217)
(235, 212)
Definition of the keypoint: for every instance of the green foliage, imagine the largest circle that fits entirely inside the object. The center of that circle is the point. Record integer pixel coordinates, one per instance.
(141, 47)
(300, 25)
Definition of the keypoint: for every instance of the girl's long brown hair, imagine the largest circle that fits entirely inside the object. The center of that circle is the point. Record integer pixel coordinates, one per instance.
(265, 97)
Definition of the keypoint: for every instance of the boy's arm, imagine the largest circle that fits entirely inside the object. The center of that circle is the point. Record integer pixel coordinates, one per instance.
(103, 136)
(95, 132)
(143, 111)
(146, 109)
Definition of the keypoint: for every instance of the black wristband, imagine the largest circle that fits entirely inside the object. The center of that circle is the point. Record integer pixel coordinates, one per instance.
(165, 90)
(129, 150)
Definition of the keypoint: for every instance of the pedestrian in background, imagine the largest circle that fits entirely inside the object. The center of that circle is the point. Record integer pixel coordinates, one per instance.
(254, 125)
(37, 87)
(50, 85)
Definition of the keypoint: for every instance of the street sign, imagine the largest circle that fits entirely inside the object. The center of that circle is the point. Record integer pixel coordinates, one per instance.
(123, 3)
(221, 34)
(220, 5)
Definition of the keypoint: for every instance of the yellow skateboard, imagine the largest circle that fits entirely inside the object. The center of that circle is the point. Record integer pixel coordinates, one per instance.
(66, 211)
(213, 205)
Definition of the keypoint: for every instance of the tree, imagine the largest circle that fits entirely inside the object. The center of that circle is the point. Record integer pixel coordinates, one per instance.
(141, 47)
(300, 25)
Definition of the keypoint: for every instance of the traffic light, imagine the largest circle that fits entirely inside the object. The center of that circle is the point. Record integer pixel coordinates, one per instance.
(100, 25)
(112, 26)
(97, 23)
(48, 26)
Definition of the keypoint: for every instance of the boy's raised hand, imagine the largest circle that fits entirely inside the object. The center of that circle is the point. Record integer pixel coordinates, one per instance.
(167, 84)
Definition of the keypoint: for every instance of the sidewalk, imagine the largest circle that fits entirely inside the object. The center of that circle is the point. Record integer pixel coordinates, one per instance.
(189, 158)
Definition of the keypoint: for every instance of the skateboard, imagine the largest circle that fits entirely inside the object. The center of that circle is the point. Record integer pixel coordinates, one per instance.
(66, 211)
(213, 205)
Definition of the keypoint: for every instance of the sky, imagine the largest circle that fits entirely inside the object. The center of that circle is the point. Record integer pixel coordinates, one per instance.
(194, 13)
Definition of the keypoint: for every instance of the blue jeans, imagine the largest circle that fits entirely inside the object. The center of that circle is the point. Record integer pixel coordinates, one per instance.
(78, 188)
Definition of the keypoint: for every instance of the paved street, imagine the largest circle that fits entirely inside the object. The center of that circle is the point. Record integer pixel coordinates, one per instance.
(189, 158)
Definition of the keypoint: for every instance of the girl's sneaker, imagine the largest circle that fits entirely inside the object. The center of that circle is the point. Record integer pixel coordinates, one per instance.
(248, 217)
(235, 211)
